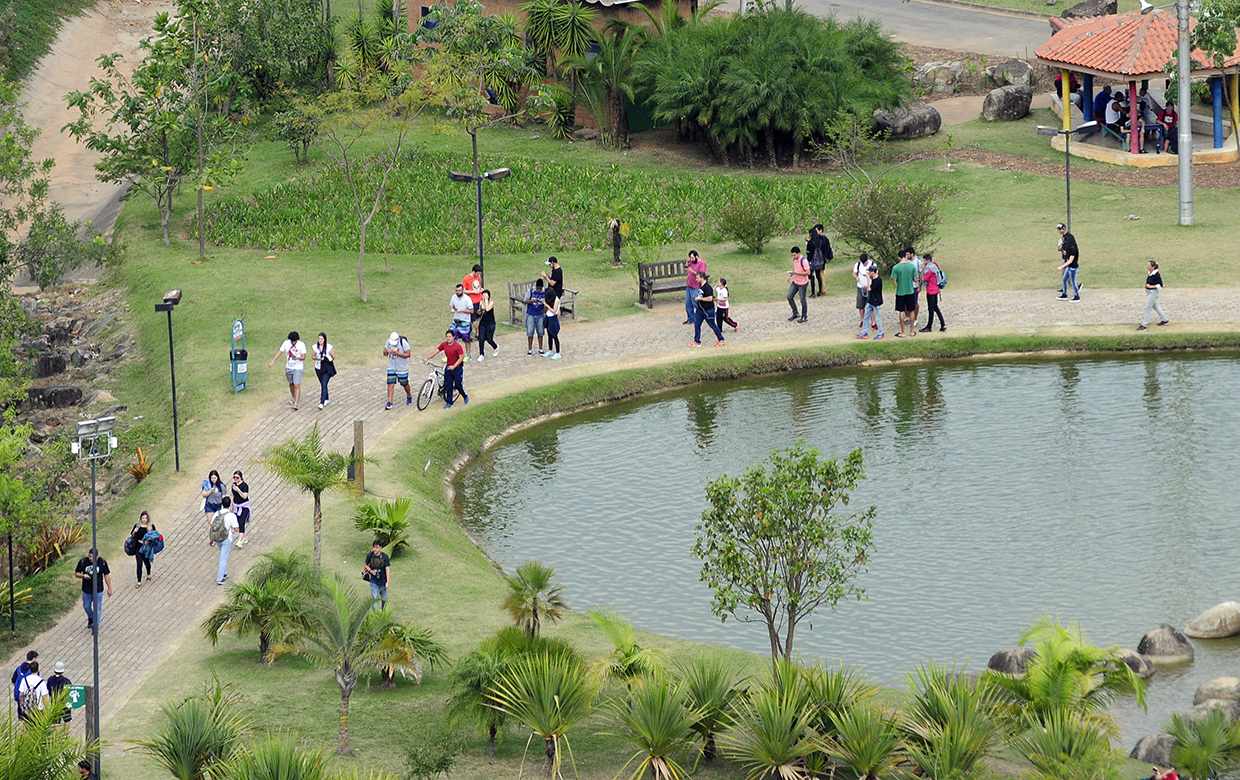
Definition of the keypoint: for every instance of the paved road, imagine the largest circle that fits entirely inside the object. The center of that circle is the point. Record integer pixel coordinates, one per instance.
(944, 26)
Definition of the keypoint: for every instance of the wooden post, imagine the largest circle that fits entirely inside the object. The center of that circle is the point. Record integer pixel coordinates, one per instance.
(91, 736)
(1134, 130)
(359, 449)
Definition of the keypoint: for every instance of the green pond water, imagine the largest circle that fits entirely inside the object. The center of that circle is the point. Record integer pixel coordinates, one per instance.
(1100, 490)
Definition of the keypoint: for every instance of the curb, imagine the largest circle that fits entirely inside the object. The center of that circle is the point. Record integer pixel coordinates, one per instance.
(990, 9)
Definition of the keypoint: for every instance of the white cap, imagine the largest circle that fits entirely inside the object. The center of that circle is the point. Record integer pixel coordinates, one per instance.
(394, 339)
(59, 668)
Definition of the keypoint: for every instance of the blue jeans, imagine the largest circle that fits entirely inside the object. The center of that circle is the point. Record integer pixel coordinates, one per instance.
(225, 548)
(323, 380)
(877, 312)
(93, 604)
(700, 316)
(379, 594)
(690, 302)
(1069, 275)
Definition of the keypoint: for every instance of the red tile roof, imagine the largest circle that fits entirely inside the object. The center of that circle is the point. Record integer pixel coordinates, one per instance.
(1129, 44)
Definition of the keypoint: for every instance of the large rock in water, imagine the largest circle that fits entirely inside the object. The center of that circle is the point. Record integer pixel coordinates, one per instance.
(1165, 645)
(1218, 688)
(1216, 622)
(914, 122)
(1011, 660)
(940, 75)
(1139, 664)
(1007, 104)
(1227, 706)
(1154, 749)
(1091, 8)
(1012, 72)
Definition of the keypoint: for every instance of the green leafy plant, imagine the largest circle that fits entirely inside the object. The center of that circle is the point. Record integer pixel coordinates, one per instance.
(549, 694)
(884, 217)
(712, 686)
(950, 725)
(659, 722)
(533, 596)
(141, 468)
(39, 747)
(1066, 746)
(629, 661)
(866, 741)
(834, 689)
(751, 221)
(277, 756)
(386, 521)
(433, 752)
(272, 609)
(298, 128)
(198, 734)
(1206, 747)
(772, 734)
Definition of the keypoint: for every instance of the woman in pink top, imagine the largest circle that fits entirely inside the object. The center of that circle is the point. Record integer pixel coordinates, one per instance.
(696, 266)
(930, 275)
(798, 279)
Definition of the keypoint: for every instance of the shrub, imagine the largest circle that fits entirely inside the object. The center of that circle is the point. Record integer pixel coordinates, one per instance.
(562, 115)
(141, 468)
(433, 752)
(884, 217)
(298, 128)
(146, 434)
(751, 221)
(49, 543)
(387, 521)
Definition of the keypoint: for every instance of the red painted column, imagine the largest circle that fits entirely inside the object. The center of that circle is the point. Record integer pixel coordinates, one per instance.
(1134, 142)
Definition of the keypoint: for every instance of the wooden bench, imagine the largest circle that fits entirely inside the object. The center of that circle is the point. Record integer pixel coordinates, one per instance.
(665, 276)
(519, 291)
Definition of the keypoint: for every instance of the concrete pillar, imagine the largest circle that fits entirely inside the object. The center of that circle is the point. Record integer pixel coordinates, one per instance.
(1134, 131)
(1065, 96)
(1216, 95)
(1087, 97)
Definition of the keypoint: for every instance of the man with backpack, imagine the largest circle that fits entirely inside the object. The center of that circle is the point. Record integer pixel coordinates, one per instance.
(94, 573)
(223, 525)
(31, 692)
(818, 249)
(23, 670)
(935, 280)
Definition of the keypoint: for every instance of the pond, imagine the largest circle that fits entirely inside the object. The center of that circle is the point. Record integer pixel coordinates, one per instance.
(1091, 489)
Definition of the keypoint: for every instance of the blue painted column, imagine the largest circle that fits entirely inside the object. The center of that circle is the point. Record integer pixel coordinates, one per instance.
(1087, 98)
(1216, 93)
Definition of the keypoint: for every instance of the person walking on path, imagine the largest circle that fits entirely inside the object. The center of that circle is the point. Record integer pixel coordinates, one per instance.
(723, 306)
(295, 349)
(554, 281)
(378, 572)
(704, 311)
(873, 306)
(397, 350)
(535, 317)
(1071, 263)
(903, 274)
(473, 290)
(694, 266)
(486, 327)
(223, 531)
(212, 494)
(136, 537)
(861, 275)
(31, 692)
(552, 306)
(57, 683)
(23, 669)
(1153, 286)
(240, 505)
(462, 316)
(798, 280)
(454, 373)
(930, 276)
(95, 575)
(324, 355)
(818, 248)
(918, 265)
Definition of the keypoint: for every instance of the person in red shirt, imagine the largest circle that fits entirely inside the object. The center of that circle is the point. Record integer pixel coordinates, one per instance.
(473, 289)
(454, 373)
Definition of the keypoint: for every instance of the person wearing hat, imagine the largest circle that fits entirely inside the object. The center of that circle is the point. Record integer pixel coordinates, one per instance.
(554, 280)
(397, 351)
(57, 683)
(1071, 258)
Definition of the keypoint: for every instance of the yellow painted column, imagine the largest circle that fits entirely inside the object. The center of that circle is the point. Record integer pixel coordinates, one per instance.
(1233, 92)
(1066, 97)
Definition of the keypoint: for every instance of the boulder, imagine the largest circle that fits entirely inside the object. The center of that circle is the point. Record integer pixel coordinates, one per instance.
(1139, 664)
(1165, 645)
(1012, 72)
(940, 75)
(58, 330)
(1010, 660)
(1216, 622)
(78, 358)
(1228, 706)
(1154, 749)
(1218, 688)
(1091, 8)
(48, 365)
(1007, 104)
(917, 120)
(55, 397)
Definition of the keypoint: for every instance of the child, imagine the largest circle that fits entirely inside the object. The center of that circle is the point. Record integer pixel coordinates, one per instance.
(873, 307)
(722, 307)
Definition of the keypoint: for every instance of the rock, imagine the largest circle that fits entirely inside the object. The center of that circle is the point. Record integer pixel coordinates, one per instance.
(120, 483)
(1228, 706)
(98, 326)
(1091, 8)
(78, 358)
(1012, 72)
(917, 120)
(586, 134)
(1007, 104)
(55, 397)
(48, 365)
(1218, 688)
(42, 345)
(1139, 664)
(58, 330)
(1050, 2)
(1165, 645)
(1154, 749)
(1010, 660)
(1216, 622)
(940, 75)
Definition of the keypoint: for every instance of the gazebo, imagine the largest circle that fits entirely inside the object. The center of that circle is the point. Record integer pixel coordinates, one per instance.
(1133, 47)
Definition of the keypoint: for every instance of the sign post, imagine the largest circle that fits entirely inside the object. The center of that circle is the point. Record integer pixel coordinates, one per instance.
(238, 356)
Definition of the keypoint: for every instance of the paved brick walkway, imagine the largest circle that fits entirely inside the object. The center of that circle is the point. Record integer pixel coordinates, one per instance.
(184, 587)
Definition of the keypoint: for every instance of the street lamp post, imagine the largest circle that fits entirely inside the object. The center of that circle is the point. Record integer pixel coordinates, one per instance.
(477, 179)
(1088, 127)
(95, 442)
(1184, 127)
(172, 298)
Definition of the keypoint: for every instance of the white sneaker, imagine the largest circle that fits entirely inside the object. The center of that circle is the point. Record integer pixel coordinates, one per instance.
(320, 406)
(556, 356)
(494, 353)
(328, 401)
(482, 357)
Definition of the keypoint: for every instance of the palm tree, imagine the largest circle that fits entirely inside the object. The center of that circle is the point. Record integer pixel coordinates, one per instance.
(277, 757)
(305, 465)
(387, 520)
(866, 741)
(346, 635)
(629, 661)
(199, 734)
(284, 565)
(1067, 746)
(834, 689)
(712, 686)
(609, 77)
(555, 26)
(660, 723)
(273, 609)
(1204, 748)
(950, 726)
(409, 646)
(532, 596)
(773, 734)
(38, 748)
(549, 694)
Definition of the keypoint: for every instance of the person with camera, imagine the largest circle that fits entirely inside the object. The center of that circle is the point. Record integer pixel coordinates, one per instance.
(378, 572)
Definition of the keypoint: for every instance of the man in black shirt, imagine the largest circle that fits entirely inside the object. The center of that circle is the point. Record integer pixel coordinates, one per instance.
(1071, 256)
(554, 280)
(378, 572)
(57, 683)
(94, 573)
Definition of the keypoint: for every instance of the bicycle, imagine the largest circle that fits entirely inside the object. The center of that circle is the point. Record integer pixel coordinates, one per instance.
(434, 385)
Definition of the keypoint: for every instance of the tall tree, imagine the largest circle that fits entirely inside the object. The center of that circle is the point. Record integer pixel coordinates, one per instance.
(273, 609)
(608, 77)
(772, 544)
